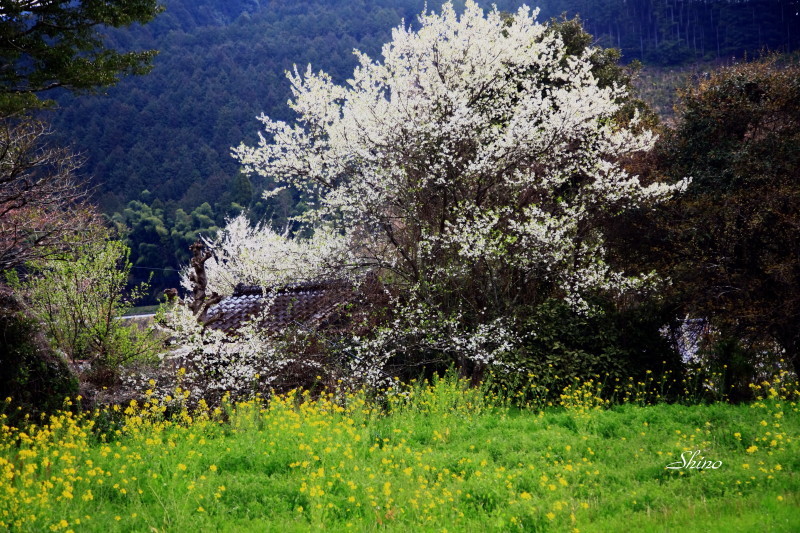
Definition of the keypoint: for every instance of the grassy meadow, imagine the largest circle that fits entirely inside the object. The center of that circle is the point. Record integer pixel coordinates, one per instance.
(427, 457)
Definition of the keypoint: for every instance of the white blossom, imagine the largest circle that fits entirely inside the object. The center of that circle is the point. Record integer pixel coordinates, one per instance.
(477, 143)
(258, 255)
(466, 105)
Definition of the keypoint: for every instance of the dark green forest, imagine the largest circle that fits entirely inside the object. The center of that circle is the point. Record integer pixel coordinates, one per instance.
(157, 146)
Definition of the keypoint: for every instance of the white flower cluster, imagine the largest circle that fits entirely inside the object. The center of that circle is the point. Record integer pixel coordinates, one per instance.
(258, 255)
(473, 134)
(210, 364)
(478, 156)
(207, 365)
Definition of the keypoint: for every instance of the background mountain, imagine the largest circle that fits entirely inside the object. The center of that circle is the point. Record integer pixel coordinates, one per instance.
(158, 146)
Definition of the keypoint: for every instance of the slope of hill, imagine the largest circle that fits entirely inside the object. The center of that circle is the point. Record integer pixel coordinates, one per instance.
(222, 63)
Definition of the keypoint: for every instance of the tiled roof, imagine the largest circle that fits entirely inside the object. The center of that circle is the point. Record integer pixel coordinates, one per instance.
(312, 304)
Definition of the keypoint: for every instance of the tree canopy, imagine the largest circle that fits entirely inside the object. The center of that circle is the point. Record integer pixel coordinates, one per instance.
(732, 242)
(221, 63)
(46, 44)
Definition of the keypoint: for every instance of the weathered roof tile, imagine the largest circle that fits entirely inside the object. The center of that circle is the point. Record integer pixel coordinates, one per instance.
(310, 304)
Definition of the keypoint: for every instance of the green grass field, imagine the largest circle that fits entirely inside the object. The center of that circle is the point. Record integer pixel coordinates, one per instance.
(434, 458)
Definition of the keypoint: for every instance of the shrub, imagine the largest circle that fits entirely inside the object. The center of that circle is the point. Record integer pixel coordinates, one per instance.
(33, 375)
(79, 299)
(615, 346)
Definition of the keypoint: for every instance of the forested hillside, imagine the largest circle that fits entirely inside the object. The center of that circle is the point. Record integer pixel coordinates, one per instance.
(669, 32)
(158, 146)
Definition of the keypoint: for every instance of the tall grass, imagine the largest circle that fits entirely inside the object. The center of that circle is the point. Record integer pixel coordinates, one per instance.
(423, 457)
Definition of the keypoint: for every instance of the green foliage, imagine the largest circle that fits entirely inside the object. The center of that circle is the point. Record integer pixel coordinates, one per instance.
(730, 243)
(33, 374)
(611, 345)
(47, 45)
(159, 233)
(80, 298)
(736, 366)
(221, 63)
(160, 239)
(242, 191)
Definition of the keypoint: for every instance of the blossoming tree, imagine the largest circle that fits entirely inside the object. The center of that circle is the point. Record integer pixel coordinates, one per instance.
(474, 165)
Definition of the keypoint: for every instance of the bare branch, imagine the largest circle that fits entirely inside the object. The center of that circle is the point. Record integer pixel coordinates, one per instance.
(43, 204)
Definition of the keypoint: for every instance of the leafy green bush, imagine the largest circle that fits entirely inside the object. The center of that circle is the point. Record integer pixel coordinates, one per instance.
(36, 378)
(79, 298)
(729, 243)
(618, 346)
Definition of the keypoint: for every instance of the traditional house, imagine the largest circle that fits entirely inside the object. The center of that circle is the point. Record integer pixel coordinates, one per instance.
(317, 305)
(322, 305)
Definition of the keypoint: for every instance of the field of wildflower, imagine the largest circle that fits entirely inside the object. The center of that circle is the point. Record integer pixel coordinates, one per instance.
(434, 456)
